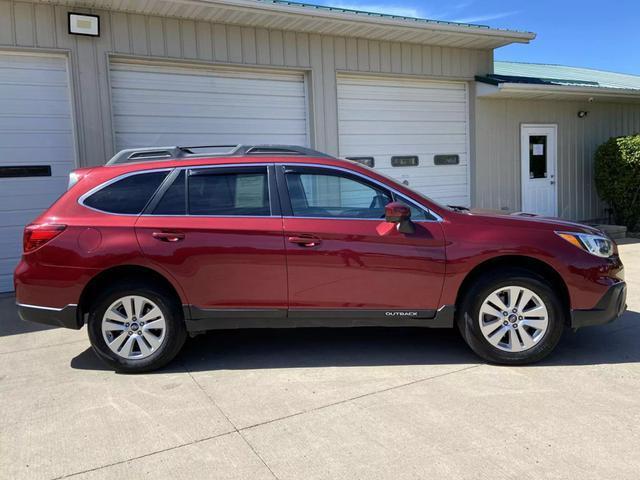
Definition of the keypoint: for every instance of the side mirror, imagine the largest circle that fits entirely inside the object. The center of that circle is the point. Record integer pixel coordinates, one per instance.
(400, 214)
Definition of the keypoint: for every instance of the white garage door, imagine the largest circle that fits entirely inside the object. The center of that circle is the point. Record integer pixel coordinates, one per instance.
(407, 118)
(156, 105)
(36, 133)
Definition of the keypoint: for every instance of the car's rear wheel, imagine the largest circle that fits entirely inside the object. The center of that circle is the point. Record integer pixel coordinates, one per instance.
(511, 317)
(136, 327)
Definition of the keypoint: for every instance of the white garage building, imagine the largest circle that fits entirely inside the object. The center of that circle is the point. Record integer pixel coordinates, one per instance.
(419, 99)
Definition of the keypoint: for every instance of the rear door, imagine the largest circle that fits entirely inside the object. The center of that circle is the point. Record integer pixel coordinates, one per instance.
(344, 260)
(218, 232)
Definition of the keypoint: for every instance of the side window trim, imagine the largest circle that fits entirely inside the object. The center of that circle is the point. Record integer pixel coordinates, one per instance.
(285, 201)
(159, 193)
(274, 200)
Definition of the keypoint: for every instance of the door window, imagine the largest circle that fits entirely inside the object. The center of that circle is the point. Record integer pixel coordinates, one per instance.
(537, 156)
(333, 195)
(228, 192)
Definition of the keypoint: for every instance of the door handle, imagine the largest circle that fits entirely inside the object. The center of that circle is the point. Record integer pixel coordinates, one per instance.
(168, 236)
(305, 241)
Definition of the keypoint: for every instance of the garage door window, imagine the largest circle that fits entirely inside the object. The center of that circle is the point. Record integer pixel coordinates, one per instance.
(126, 196)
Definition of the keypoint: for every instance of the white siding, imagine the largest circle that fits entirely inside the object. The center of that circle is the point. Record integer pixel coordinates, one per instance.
(384, 117)
(36, 128)
(169, 105)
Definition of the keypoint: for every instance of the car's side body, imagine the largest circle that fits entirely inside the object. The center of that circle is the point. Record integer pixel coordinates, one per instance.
(286, 270)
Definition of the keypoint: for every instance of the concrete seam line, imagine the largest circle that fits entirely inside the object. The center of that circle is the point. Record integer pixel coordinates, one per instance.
(368, 394)
(213, 402)
(239, 431)
(41, 347)
(168, 449)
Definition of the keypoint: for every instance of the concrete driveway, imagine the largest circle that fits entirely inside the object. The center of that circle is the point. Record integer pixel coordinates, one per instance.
(307, 404)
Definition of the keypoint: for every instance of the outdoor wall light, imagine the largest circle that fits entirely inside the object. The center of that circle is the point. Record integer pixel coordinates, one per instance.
(84, 24)
(582, 113)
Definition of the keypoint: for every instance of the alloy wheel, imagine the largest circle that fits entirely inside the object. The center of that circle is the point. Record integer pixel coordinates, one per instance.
(133, 327)
(513, 319)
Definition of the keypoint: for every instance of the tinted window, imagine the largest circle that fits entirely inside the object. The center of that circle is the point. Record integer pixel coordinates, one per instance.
(334, 195)
(128, 195)
(174, 200)
(214, 192)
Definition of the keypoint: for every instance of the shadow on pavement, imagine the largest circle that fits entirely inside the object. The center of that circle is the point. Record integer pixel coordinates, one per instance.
(11, 324)
(310, 348)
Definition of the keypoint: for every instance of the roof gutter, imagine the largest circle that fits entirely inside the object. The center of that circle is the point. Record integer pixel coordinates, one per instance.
(294, 9)
(567, 90)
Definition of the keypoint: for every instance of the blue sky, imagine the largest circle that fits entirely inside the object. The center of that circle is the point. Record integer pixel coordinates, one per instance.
(588, 33)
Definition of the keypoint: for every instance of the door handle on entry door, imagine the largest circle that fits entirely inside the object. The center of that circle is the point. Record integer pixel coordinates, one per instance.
(168, 236)
(305, 241)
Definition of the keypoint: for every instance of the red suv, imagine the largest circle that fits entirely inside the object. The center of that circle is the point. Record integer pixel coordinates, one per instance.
(164, 242)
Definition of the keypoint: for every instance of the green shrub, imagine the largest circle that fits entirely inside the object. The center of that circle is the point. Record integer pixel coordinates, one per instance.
(617, 177)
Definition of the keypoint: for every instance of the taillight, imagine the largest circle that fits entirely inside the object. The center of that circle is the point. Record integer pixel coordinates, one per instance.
(36, 236)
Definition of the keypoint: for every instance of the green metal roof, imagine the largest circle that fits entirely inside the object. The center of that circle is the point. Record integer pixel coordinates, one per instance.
(544, 74)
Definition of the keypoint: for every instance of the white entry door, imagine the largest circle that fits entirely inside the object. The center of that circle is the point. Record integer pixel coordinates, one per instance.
(538, 145)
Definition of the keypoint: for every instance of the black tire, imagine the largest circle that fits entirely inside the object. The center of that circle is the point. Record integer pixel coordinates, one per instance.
(468, 316)
(175, 334)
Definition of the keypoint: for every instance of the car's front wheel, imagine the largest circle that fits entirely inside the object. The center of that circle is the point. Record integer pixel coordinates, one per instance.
(511, 317)
(136, 328)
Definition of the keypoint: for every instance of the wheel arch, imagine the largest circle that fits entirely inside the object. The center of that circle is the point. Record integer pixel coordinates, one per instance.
(118, 273)
(524, 262)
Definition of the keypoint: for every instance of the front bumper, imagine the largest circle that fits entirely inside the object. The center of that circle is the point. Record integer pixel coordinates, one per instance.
(612, 304)
(66, 317)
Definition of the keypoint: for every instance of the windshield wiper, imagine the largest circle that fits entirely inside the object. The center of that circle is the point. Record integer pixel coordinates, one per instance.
(458, 208)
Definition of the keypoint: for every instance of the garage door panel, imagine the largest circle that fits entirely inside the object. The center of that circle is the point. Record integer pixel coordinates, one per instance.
(12, 187)
(33, 155)
(20, 218)
(125, 140)
(20, 139)
(206, 106)
(205, 125)
(367, 128)
(396, 115)
(36, 123)
(382, 117)
(176, 86)
(220, 110)
(36, 128)
(388, 95)
(13, 106)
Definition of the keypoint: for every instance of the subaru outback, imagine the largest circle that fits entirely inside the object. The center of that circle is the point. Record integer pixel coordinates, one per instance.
(163, 243)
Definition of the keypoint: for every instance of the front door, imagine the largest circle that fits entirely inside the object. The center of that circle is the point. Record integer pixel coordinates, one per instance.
(538, 145)
(345, 261)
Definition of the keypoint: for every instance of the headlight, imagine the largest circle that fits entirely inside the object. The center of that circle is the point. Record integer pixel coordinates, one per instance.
(594, 244)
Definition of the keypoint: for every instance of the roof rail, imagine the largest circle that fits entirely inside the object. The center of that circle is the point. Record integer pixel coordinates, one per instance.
(152, 154)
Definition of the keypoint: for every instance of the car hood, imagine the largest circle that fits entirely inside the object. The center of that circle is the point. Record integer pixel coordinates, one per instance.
(523, 219)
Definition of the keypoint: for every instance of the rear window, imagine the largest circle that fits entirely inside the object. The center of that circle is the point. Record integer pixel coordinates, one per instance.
(128, 195)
